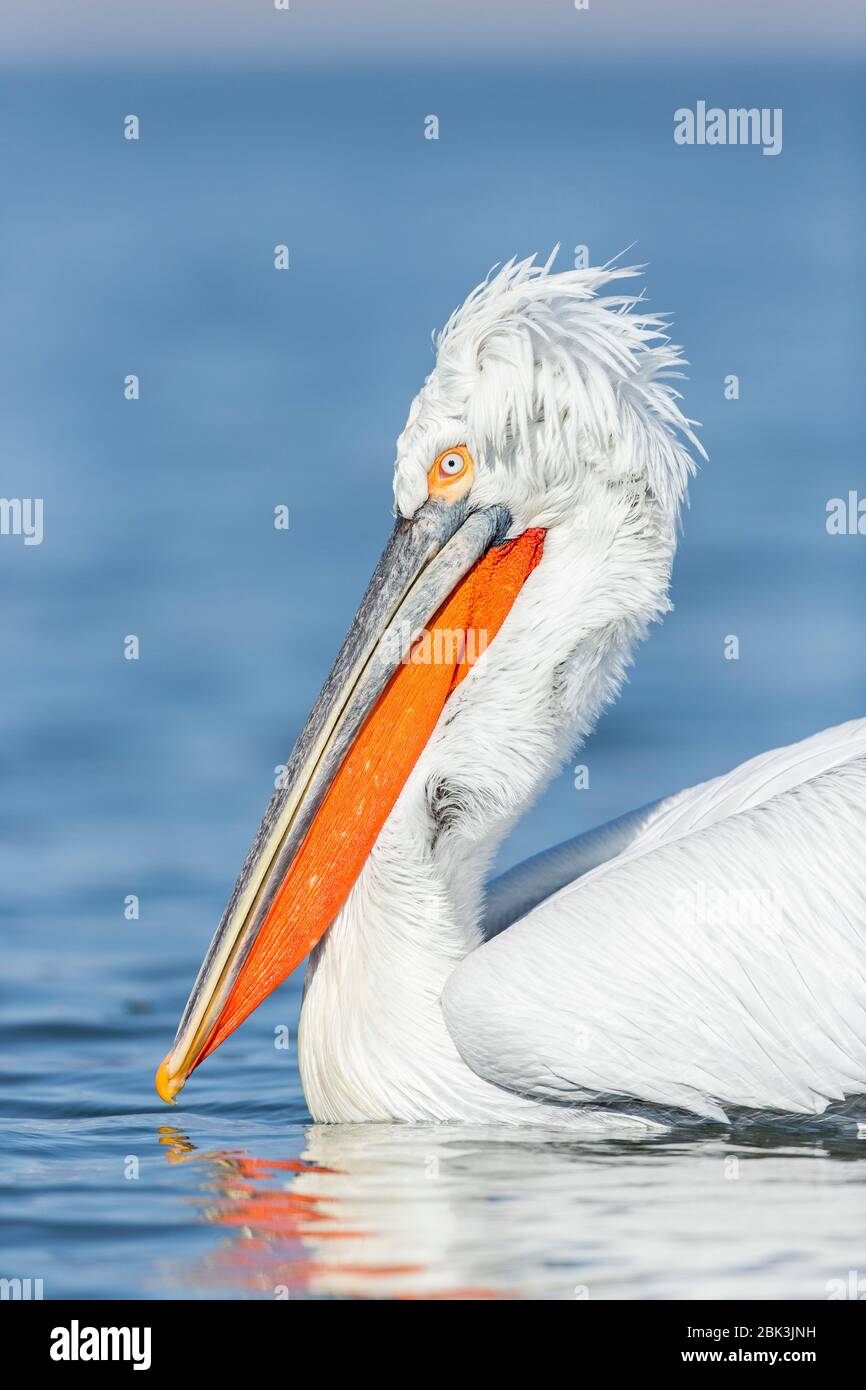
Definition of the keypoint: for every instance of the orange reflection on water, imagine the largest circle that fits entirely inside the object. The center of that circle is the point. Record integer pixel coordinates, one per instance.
(270, 1253)
(279, 1217)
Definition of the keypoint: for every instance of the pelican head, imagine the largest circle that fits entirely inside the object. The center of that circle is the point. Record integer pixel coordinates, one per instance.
(537, 487)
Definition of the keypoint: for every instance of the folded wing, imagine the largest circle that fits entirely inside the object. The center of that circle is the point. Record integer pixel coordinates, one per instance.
(718, 959)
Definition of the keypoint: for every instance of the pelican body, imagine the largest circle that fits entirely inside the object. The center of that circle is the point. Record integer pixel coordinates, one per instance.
(702, 954)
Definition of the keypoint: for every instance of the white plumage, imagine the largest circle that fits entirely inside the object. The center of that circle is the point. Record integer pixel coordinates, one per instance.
(715, 962)
(702, 954)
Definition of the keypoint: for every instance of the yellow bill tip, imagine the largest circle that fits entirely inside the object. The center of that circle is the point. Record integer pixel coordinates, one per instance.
(167, 1085)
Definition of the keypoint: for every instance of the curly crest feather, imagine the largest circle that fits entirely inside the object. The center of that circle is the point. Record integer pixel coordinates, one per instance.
(541, 370)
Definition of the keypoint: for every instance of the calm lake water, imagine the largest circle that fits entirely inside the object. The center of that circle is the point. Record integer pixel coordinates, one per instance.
(148, 777)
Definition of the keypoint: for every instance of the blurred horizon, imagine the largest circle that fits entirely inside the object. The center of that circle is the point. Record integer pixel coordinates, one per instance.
(315, 31)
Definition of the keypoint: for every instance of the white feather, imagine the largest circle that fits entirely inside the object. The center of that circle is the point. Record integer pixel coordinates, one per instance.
(564, 397)
(719, 961)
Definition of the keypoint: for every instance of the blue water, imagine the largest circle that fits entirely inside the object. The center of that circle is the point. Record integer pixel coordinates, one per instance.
(148, 777)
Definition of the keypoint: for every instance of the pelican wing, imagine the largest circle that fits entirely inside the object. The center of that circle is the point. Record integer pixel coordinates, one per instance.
(516, 892)
(718, 959)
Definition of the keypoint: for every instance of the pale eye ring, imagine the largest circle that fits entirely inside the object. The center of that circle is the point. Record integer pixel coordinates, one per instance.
(451, 473)
(451, 465)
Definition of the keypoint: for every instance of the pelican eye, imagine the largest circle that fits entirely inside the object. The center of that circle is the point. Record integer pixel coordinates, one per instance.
(452, 465)
(451, 473)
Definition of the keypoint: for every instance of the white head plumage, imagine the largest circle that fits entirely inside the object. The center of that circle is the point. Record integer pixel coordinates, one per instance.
(544, 378)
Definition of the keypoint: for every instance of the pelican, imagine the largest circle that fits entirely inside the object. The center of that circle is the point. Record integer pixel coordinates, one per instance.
(700, 956)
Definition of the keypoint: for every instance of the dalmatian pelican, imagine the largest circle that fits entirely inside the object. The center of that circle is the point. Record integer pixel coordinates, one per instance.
(700, 955)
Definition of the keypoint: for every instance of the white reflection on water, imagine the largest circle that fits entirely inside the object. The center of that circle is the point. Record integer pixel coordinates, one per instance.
(395, 1211)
